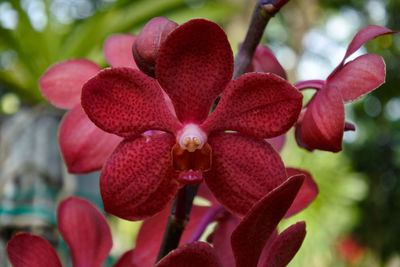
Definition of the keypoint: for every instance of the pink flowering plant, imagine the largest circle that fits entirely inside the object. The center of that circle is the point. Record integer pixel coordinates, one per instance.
(174, 116)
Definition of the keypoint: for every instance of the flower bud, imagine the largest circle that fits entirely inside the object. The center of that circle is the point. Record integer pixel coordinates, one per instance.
(148, 42)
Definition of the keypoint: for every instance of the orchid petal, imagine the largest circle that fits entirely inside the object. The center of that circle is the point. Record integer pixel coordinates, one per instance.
(244, 170)
(252, 233)
(205, 192)
(127, 102)
(30, 250)
(83, 145)
(285, 246)
(194, 65)
(126, 260)
(258, 105)
(86, 232)
(138, 181)
(364, 35)
(307, 193)
(61, 84)
(197, 254)
(264, 60)
(222, 239)
(359, 76)
(118, 50)
(152, 230)
(323, 123)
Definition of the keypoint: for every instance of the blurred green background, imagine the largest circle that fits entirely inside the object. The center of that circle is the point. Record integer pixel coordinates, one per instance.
(359, 196)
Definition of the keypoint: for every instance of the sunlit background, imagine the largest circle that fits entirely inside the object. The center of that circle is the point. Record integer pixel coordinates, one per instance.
(355, 221)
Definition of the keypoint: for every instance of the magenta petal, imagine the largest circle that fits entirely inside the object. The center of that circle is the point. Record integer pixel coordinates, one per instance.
(197, 254)
(26, 250)
(265, 61)
(118, 50)
(307, 193)
(83, 145)
(259, 105)
(126, 260)
(323, 123)
(85, 230)
(61, 84)
(127, 102)
(222, 239)
(194, 65)
(243, 171)
(286, 245)
(152, 230)
(359, 76)
(251, 235)
(138, 181)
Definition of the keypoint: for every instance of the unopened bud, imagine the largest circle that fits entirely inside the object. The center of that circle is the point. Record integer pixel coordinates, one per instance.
(147, 43)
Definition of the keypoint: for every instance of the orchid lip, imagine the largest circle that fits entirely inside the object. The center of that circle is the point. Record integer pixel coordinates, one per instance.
(191, 137)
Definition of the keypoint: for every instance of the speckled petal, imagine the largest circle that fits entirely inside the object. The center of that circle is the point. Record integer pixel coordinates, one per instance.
(151, 233)
(258, 105)
(62, 83)
(26, 250)
(253, 232)
(83, 145)
(194, 65)
(323, 123)
(127, 102)
(285, 246)
(86, 232)
(243, 171)
(307, 193)
(138, 181)
(359, 76)
(197, 254)
(118, 50)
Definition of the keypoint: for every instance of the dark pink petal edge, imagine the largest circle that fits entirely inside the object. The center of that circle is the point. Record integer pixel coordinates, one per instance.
(252, 233)
(307, 193)
(286, 245)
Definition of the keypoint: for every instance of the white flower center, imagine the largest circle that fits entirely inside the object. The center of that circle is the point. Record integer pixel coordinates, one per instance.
(191, 137)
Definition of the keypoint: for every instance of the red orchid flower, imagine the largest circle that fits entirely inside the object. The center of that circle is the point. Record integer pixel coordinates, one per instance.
(254, 241)
(84, 229)
(83, 145)
(194, 65)
(322, 122)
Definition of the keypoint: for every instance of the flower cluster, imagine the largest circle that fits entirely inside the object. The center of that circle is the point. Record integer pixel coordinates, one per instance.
(176, 118)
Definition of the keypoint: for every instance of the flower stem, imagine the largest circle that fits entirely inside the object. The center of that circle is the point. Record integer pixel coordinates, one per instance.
(177, 220)
(264, 10)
